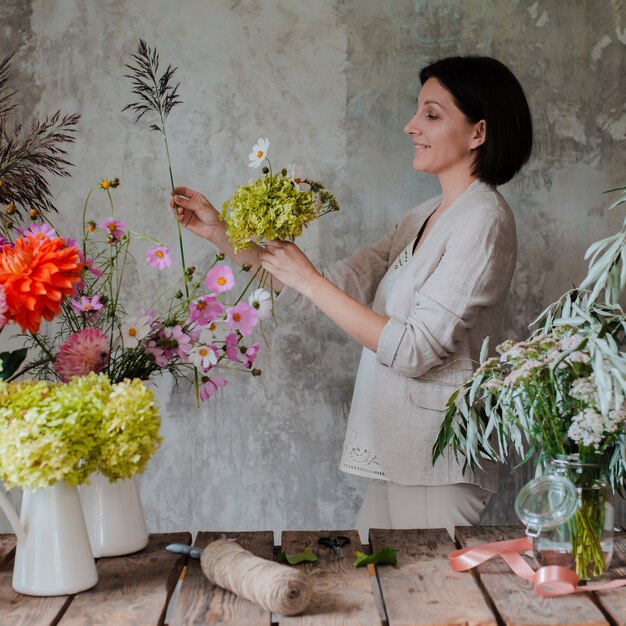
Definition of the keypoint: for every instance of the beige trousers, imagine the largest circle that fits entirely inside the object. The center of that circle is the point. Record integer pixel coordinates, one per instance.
(390, 505)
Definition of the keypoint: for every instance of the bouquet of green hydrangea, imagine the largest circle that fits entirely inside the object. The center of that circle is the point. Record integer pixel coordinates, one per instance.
(129, 430)
(66, 431)
(48, 432)
(276, 206)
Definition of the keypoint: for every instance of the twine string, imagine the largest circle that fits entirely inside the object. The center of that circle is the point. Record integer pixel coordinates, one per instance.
(275, 587)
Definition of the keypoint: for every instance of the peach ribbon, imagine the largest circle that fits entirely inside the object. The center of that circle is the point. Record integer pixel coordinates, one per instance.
(548, 581)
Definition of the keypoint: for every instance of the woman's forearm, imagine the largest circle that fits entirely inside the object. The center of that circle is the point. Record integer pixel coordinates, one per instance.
(359, 321)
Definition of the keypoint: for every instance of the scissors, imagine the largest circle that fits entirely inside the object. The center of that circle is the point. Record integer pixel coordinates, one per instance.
(336, 542)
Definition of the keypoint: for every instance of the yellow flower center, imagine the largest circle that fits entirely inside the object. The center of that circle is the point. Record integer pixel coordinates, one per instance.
(203, 352)
(132, 332)
(111, 227)
(105, 184)
(236, 317)
(86, 307)
(221, 281)
(212, 326)
(259, 154)
(201, 306)
(160, 254)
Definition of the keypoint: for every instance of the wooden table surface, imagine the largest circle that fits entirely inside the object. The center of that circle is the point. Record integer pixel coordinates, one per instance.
(156, 587)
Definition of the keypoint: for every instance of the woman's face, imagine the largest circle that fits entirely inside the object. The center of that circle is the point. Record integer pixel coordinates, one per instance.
(443, 139)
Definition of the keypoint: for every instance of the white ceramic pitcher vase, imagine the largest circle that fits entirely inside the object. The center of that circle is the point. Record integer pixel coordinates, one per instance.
(53, 554)
(113, 515)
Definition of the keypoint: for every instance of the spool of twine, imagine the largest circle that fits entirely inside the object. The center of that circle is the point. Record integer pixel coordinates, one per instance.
(275, 587)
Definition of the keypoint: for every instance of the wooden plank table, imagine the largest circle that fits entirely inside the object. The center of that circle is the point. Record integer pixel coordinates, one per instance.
(155, 587)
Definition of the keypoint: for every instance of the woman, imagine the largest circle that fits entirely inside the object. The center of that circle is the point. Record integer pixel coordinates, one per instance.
(437, 285)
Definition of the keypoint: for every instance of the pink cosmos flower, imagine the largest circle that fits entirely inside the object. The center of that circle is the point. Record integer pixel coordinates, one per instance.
(204, 310)
(242, 317)
(91, 307)
(220, 279)
(39, 230)
(159, 257)
(113, 228)
(5, 243)
(89, 265)
(157, 352)
(210, 386)
(4, 318)
(231, 347)
(170, 342)
(84, 351)
(250, 355)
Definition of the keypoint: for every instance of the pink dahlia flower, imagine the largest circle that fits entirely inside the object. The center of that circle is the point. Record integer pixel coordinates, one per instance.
(242, 317)
(84, 351)
(220, 279)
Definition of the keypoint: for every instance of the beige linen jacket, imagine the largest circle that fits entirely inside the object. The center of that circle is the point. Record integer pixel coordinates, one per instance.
(447, 299)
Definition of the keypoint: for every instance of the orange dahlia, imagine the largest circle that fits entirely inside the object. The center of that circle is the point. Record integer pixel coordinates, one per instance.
(36, 275)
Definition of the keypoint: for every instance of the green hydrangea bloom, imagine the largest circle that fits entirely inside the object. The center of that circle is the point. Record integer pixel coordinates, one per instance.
(130, 430)
(66, 431)
(48, 432)
(270, 208)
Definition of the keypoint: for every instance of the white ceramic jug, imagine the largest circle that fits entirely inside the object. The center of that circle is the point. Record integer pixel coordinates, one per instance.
(53, 555)
(113, 515)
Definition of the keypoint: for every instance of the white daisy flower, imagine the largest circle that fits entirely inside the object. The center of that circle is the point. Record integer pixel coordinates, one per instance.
(297, 176)
(203, 356)
(261, 300)
(134, 329)
(259, 152)
(216, 331)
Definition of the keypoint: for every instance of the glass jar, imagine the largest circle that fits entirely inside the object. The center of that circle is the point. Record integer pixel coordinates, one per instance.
(569, 513)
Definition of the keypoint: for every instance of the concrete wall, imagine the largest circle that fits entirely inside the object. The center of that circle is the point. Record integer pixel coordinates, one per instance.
(331, 83)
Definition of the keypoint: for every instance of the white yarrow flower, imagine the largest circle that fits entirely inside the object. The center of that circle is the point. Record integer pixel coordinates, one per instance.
(259, 152)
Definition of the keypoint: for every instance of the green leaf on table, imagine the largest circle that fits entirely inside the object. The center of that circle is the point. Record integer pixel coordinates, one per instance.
(302, 557)
(10, 362)
(384, 556)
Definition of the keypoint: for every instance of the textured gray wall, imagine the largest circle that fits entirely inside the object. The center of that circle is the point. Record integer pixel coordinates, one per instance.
(332, 83)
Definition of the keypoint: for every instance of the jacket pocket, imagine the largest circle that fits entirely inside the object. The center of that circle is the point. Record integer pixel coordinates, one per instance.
(430, 395)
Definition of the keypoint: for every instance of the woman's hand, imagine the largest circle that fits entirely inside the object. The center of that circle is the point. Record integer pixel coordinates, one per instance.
(195, 212)
(289, 265)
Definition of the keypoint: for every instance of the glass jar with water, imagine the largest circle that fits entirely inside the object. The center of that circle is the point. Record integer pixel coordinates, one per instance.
(569, 514)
